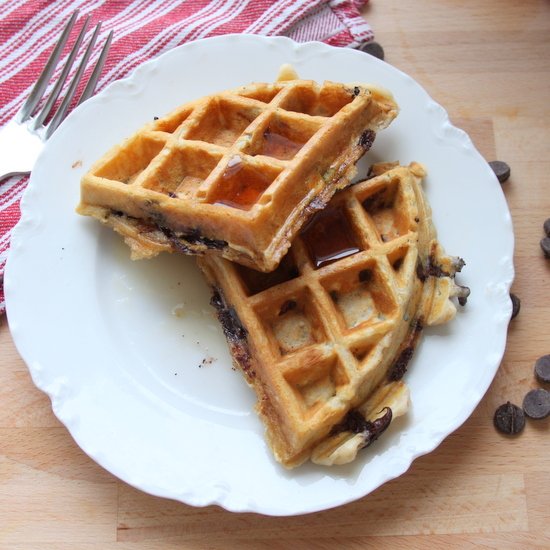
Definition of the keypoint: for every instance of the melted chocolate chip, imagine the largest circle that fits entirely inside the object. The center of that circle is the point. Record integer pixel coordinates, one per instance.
(420, 273)
(378, 200)
(546, 227)
(433, 269)
(235, 333)
(287, 306)
(183, 241)
(462, 300)
(365, 275)
(231, 324)
(194, 236)
(356, 423)
(397, 264)
(217, 244)
(353, 422)
(399, 367)
(367, 139)
(430, 269)
(545, 246)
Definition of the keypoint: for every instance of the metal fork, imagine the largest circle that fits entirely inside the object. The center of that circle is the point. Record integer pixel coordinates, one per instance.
(23, 137)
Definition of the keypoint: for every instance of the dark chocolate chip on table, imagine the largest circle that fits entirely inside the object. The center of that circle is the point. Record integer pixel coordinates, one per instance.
(509, 419)
(516, 305)
(501, 170)
(542, 369)
(545, 246)
(373, 48)
(536, 404)
(546, 227)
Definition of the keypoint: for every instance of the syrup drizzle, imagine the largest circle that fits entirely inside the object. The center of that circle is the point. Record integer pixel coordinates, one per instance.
(242, 186)
(279, 146)
(329, 237)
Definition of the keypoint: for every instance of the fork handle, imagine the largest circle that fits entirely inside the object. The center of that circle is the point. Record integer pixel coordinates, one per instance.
(19, 149)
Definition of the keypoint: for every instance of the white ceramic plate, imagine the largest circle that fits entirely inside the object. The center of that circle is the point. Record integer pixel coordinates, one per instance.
(130, 352)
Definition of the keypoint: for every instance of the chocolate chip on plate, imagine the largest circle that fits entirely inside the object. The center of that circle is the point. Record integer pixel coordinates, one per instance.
(545, 245)
(509, 419)
(536, 404)
(516, 305)
(546, 227)
(542, 369)
(373, 48)
(501, 170)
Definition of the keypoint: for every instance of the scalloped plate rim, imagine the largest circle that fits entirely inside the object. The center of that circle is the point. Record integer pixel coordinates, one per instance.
(231, 499)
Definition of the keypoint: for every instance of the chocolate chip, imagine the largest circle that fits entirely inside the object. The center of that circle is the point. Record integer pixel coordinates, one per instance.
(545, 245)
(516, 305)
(546, 227)
(536, 404)
(509, 419)
(373, 48)
(501, 170)
(356, 423)
(463, 293)
(231, 324)
(365, 275)
(367, 139)
(399, 368)
(397, 264)
(542, 369)
(287, 306)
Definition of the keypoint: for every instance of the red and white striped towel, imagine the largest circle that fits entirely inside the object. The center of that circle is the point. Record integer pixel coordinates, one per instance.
(144, 29)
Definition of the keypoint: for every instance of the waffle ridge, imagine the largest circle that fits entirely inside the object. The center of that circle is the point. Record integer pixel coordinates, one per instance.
(236, 173)
(331, 331)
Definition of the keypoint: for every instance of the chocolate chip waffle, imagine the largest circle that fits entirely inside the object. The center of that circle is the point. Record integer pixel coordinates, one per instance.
(326, 338)
(237, 173)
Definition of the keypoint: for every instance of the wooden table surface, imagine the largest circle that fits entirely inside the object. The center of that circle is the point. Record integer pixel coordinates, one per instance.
(488, 63)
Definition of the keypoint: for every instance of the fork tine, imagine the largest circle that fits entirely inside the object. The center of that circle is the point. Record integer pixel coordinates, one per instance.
(45, 111)
(38, 90)
(62, 110)
(94, 77)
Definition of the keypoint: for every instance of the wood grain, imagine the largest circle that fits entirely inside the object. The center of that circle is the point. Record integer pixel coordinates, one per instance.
(488, 63)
